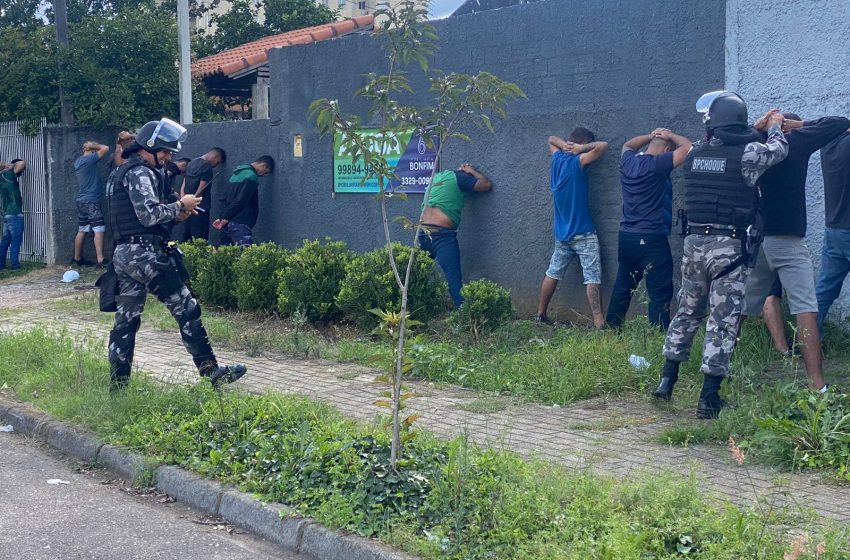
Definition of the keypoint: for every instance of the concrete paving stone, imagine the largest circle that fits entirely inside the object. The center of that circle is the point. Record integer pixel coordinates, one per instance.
(273, 522)
(126, 464)
(189, 488)
(73, 442)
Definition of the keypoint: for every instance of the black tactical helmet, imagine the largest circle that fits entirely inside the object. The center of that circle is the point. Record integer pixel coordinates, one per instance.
(722, 108)
(163, 134)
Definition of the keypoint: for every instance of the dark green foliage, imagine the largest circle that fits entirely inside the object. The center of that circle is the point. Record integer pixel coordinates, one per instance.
(311, 280)
(486, 306)
(256, 276)
(369, 284)
(216, 281)
(811, 430)
(242, 24)
(196, 257)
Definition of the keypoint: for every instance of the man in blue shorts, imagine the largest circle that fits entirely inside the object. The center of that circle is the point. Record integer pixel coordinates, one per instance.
(89, 214)
(575, 234)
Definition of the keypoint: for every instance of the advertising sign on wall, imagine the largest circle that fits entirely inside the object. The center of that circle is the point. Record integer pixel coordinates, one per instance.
(405, 151)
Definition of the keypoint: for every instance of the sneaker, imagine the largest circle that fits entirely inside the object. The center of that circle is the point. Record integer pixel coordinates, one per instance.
(542, 320)
(81, 262)
(227, 374)
(102, 264)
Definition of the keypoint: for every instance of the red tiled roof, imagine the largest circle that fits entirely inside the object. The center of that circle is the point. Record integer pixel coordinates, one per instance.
(257, 52)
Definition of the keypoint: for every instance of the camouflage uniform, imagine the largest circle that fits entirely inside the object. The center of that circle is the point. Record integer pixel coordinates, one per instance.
(704, 258)
(143, 266)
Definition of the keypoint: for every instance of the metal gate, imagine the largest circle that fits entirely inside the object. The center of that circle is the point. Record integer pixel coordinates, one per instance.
(16, 145)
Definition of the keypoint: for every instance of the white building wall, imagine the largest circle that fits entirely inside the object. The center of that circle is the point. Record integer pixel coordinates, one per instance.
(793, 55)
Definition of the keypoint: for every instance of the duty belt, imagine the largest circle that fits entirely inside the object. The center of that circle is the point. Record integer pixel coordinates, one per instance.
(734, 233)
(151, 240)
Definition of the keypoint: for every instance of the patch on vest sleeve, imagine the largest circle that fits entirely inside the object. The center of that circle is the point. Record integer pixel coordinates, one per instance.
(709, 165)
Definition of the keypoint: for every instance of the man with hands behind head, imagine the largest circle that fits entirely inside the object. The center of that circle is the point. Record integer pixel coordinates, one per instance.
(440, 218)
(575, 234)
(643, 247)
(89, 214)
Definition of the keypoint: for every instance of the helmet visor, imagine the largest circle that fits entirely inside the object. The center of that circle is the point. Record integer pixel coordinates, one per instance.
(704, 102)
(168, 131)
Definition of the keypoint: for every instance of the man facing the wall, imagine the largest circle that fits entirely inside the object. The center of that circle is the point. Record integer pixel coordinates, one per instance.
(783, 252)
(574, 230)
(440, 219)
(835, 261)
(240, 206)
(196, 181)
(647, 221)
(11, 205)
(89, 214)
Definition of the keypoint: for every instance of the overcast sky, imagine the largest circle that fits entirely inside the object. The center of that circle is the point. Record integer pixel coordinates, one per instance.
(443, 8)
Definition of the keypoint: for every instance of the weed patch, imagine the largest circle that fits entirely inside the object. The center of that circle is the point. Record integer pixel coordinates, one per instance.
(446, 500)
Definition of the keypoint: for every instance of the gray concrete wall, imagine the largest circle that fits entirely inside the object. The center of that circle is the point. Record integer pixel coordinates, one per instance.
(619, 67)
(793, 55)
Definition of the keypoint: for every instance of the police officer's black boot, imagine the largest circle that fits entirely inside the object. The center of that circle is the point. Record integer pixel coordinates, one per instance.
(710, 404)
(669, 376)
(208, 367)
(119, 377)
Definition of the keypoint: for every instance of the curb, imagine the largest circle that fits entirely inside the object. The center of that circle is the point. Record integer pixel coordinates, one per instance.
(276, 523)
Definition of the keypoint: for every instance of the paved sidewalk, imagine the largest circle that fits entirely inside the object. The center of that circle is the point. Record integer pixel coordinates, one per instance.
(614, 437)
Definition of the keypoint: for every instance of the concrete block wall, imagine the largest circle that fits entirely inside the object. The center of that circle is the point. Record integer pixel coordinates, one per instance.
(794, 56)
(620, 67)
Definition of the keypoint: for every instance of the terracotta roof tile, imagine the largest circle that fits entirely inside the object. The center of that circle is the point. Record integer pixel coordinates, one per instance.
(256, 52)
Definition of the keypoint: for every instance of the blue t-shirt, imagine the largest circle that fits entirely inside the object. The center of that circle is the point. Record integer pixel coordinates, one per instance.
(647, 193)
(88, 178)
(569, 193)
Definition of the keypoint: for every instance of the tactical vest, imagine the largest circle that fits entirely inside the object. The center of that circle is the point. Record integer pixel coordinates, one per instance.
(122, 216)
(715, 191)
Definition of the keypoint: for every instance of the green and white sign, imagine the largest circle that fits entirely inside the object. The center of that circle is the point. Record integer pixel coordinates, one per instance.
(409, 155)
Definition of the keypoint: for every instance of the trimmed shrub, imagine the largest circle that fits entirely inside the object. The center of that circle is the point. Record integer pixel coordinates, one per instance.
(196, 256)
(369, 283)
(256, 276)
(486, 306)
(216, 281)
(311, 279)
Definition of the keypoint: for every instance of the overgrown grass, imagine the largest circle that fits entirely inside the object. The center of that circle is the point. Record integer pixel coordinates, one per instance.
(447, 500)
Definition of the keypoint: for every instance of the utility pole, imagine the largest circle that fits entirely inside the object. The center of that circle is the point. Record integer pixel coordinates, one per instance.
(185, 62)
(60, 8)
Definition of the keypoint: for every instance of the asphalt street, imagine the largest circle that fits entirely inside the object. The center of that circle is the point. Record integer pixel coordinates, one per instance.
(93, 517)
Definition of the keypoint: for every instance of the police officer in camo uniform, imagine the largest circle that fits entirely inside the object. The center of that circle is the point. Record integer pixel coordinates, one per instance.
(139, 219)
(721, 198)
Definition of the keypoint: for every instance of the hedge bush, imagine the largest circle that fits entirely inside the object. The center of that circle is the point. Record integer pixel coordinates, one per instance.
(486, 306)
(216, 281)
(256, 276)
(311, 279)
(369, 283)
(196, 255)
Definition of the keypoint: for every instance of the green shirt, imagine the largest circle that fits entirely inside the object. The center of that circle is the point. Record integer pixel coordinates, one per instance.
(448, 193)
(10, 193)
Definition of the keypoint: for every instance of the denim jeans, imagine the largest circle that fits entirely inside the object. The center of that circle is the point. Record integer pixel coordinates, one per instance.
(639, 254)
(834, 266)
(442, 245)
(235, 233)
(13, 235)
